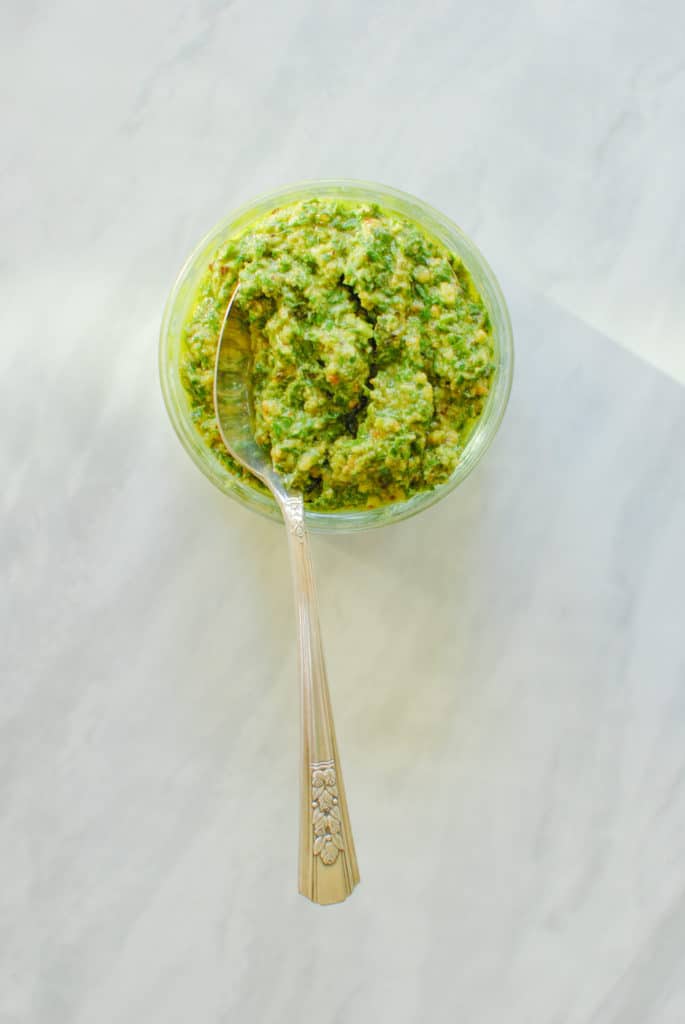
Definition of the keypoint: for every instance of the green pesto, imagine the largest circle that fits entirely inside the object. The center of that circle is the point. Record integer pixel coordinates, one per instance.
(373, 352)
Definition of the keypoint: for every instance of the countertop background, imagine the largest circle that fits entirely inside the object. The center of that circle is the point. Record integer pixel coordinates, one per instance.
(507, 670)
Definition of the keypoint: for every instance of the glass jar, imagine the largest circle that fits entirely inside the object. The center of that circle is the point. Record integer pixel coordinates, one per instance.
(182, 298)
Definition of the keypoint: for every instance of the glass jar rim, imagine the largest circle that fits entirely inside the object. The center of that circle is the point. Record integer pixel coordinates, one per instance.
(430, 220)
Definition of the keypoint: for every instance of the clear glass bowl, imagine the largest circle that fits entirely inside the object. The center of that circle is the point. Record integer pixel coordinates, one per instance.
(181, 300)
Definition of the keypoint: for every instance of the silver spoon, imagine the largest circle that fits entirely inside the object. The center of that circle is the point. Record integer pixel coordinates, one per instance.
(328, 870)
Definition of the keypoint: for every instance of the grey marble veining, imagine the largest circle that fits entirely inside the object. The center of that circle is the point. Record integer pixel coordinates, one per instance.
(548, 130)
(507, 669)
(508, 676)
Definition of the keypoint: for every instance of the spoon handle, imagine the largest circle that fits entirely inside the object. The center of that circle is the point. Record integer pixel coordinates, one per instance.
(328, 870)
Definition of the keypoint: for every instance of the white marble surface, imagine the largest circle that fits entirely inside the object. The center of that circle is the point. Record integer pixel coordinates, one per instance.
(550, 130)
(507, 670)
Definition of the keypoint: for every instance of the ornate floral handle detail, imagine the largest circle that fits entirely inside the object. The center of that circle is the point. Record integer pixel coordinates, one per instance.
(328, 863)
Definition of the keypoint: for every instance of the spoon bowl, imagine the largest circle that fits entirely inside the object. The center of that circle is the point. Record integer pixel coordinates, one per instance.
(233, 397)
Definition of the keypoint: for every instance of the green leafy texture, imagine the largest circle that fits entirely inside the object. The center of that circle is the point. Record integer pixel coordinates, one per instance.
(373, 351)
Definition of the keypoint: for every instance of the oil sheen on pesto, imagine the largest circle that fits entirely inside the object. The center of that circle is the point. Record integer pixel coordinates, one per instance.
(373, 351)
